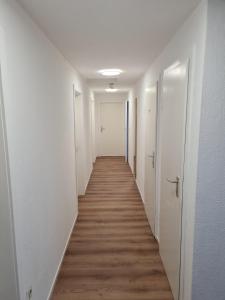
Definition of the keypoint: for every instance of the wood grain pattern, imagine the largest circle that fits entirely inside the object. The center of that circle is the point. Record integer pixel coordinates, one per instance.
(112, 254)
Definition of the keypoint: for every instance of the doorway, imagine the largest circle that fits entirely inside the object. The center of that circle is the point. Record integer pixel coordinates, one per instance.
(77, 107)
(135, 137)
(112, 129)
(127, 130)
(174, 95)
(150, 154)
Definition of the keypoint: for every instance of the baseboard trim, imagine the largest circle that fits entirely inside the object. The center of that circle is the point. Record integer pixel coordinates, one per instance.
(86, 184)
(111, 156)
(89, 177)
(142, 198)
(139, 190)
(61, 260)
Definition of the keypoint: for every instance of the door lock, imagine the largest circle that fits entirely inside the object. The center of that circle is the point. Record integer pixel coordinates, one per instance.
(177, 182)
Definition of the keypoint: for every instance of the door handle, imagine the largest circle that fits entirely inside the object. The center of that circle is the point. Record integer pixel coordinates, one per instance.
(177, 182)
(153, 159)
(102, 129)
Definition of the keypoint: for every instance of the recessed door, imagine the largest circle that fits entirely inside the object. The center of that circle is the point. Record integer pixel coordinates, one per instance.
(112, 129)
(78, 130)
(127, 130)
(150, 154)
(135, 137)
(174, 101)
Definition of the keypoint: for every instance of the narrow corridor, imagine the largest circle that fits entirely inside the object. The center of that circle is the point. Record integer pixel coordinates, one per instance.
(112, 253)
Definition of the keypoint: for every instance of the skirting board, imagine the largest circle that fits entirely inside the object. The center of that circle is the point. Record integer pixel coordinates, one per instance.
(89, 177)
(142, 197)
(61, 260)
(86, 184)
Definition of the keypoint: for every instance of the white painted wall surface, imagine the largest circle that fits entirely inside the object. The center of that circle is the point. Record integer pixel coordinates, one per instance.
(37, 85)
(188, 42)
(8, 269)
(209, 246)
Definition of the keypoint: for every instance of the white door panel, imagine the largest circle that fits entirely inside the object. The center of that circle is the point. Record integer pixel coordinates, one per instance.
(112, 129)
(150, 154)
(174, 101)
(78, 112)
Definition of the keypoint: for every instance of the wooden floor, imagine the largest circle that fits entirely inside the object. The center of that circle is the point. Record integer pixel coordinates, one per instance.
(112, 254)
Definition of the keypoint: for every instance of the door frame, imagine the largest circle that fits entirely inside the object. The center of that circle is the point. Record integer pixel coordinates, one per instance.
(155, 85)
(190, 171)
(190, 174)
(92, 128)
(158, 159)
(127, 120)
(98, 123)
(183, 163)
(78, 173)
(6, 187)
(135, 135)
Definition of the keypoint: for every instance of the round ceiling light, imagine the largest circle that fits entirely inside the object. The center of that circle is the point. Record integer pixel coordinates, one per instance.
(110, 72)
(110, 90)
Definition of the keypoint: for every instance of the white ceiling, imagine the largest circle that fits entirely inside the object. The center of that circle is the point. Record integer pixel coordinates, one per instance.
(98, 34)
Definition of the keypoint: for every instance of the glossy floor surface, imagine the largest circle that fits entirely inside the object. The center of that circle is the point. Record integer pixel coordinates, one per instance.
(112, 254)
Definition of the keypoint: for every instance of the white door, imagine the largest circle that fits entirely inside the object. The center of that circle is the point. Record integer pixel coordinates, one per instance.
(150, 154)
(112, 129)
(78, 134)
(127, 130)
(174, 101)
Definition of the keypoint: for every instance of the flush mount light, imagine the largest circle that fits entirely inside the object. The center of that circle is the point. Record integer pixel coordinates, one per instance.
(109, 90)
(110, 72)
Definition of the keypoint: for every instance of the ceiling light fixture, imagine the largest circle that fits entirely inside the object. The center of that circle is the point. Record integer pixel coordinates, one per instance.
(110, 72)
(111, 88)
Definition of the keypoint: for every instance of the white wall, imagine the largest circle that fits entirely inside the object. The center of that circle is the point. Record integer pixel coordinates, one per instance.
(209, 246)
(8, 273)
(188, 42)
(104, 97)
(38, 98)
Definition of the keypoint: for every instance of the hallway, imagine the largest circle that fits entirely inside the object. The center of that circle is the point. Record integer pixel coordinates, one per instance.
(112, 150)
(112, 253)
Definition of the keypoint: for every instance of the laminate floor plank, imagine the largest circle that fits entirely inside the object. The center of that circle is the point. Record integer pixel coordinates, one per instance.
(112, 254)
